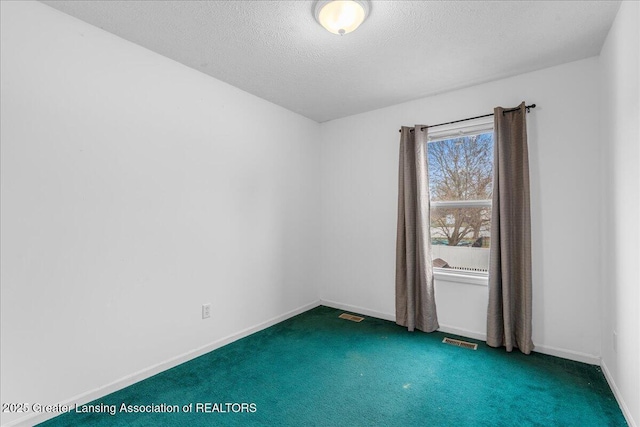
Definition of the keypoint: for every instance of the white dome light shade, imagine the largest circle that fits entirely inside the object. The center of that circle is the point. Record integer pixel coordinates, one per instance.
(341, 16)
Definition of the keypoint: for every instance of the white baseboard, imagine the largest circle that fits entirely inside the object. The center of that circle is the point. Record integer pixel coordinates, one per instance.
(568, 354)
(616, 392)
(391, 317)
(143, 374)
(359, 310)
(551, 351)
(544, 349)
(96, 393)
(462, 332)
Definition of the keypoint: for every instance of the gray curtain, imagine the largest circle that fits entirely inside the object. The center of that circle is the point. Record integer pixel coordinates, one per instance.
(509, 311)
(415, 296)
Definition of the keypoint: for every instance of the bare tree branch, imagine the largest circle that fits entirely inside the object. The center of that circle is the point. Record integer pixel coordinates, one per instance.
(461, 169)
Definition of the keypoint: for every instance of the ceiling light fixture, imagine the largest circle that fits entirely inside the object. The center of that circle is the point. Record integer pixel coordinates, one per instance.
(341, 16)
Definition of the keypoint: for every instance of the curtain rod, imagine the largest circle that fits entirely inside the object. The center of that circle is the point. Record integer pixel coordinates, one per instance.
(528, 107)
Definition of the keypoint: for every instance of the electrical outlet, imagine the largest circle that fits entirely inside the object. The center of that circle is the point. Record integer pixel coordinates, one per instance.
(206, 311)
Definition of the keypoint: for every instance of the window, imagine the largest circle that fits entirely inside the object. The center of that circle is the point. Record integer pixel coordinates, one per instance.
(461, 184)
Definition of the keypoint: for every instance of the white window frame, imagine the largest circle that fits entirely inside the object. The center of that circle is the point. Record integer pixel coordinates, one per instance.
(470, 128)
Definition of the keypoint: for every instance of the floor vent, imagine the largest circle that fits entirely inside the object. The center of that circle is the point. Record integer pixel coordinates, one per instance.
(351, 317)
(459, 343)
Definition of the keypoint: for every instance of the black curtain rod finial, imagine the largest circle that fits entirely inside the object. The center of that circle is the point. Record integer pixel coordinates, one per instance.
(527, 107)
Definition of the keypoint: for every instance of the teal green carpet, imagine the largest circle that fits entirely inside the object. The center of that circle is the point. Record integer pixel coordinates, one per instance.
(318, 370)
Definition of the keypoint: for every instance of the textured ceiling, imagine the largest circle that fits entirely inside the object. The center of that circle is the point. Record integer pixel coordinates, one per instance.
(404, 50)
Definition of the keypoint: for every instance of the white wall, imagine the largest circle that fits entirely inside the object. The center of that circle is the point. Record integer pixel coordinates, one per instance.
(359, 201)
(135, 189)
(620, 147)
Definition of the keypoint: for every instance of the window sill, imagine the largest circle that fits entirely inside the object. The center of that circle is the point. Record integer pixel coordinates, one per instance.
(468, 277)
